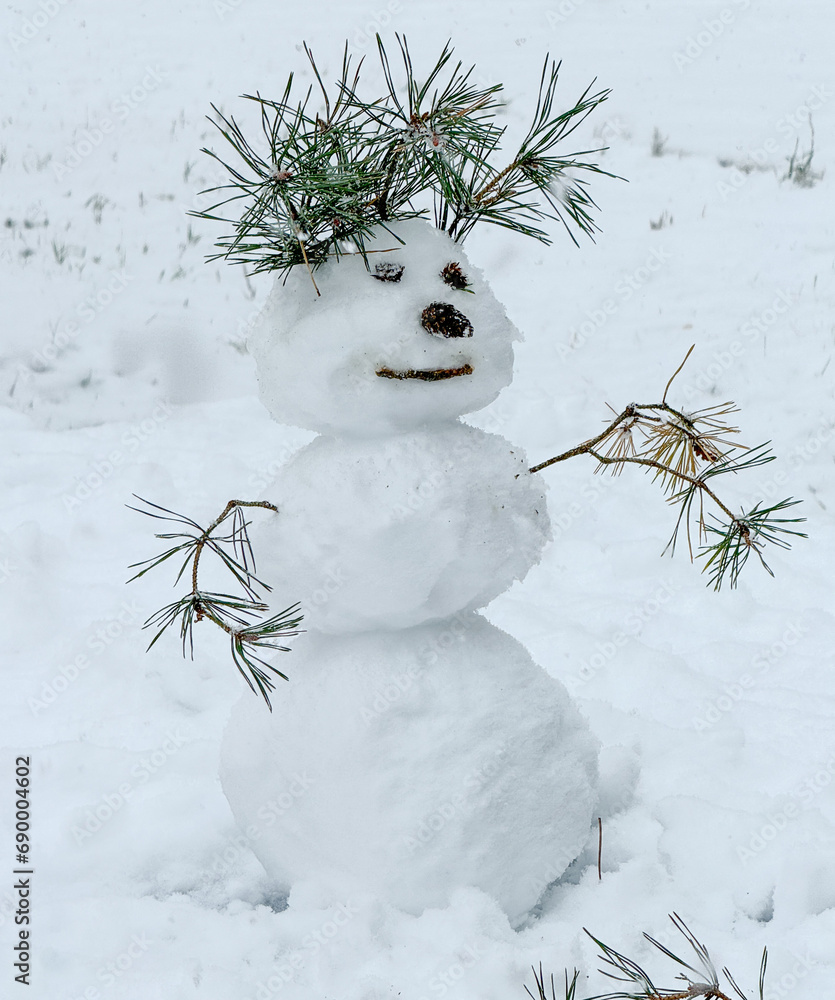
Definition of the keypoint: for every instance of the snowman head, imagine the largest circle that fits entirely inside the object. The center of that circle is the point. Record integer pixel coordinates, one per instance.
(406, 336)
(405, 332)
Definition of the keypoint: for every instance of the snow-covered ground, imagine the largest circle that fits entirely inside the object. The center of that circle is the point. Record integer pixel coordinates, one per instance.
(123, 371)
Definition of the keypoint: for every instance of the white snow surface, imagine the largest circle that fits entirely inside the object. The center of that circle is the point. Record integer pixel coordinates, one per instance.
(319, 348)
(124, 371)
(389, 532)
(413, 764)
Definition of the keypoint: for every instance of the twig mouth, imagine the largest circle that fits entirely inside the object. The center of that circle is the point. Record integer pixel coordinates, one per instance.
(426, 374)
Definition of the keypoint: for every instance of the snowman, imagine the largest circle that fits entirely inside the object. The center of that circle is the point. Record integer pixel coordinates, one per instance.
(418, 748)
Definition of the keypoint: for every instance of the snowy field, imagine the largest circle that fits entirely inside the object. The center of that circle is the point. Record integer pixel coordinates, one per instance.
(124, 370)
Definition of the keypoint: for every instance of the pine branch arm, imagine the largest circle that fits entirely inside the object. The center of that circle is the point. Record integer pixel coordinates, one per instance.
(586, 446)
(633, 411)
(652, 464)
(240, 617)
(687, 451)
(227, 510)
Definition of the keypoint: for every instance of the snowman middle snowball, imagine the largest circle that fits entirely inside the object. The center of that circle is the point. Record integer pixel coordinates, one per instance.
(400, 518)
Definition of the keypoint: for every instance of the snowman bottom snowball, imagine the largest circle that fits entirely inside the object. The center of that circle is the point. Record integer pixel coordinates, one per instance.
(425, 760)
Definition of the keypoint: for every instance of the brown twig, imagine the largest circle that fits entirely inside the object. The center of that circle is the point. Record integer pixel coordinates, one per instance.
(205, 537)
(683, 363)
(499, 177)
(425, 374)
(633, 410)
(583, 448)
(635, 414)
(651, 463)
(307, 262)
(599, 849)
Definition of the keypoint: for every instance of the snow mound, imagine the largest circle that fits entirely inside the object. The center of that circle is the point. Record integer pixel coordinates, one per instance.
(412, 764)
(387, 533)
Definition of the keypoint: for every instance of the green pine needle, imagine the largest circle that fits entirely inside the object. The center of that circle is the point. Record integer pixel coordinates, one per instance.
(749, 533)
(687, 452)
(697, 980)
(263, 635)
(539, 979)
(312, 187)
(239, 616)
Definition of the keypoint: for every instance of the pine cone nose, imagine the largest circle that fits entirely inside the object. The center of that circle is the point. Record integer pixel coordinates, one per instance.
(445, 320)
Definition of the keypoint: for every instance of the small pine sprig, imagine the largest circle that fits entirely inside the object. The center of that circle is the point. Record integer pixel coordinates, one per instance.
(445, 133)
(746, 534)
(511, 197)
(314, 185)
(687, 452)
(705, 984)
(539, 980)
(306, 187)
(239, 617)
(683, 442)
(424, 137)
(700, 979)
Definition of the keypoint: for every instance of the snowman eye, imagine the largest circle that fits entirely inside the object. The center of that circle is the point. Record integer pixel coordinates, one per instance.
(388, 272)
(454, 276)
